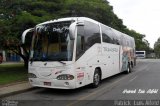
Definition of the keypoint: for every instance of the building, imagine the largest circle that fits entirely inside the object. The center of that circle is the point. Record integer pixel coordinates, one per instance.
(9, 56)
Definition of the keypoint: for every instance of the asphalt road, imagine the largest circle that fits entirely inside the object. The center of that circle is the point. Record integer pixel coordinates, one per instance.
(142, 84)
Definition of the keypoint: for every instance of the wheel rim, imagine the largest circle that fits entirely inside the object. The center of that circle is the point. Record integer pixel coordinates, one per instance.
(128, 70)
(96, 79)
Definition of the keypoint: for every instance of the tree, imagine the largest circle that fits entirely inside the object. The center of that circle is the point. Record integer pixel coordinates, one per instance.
(157, 48)
(19, 15)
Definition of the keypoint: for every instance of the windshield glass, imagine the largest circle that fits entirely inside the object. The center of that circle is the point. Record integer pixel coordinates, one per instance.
(51, 42)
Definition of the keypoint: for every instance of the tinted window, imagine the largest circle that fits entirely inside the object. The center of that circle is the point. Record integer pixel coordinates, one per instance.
(123, 40)
(87, 36)
(116, 37)
(139, 52)
(109, 36)
(80, 41)
(92, 34)
(106, 34)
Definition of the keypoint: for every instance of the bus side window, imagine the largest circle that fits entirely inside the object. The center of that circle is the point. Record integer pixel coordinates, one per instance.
(124, 42)
(80, 43)
(116, 40)
(92, 34)
(87, 36)
(107, 34)
(116, 37)
(80, 49)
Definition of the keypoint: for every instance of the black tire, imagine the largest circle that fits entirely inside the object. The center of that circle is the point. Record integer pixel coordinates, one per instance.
(132, 65)
(96, 79)
(134, 61)
(128, 69)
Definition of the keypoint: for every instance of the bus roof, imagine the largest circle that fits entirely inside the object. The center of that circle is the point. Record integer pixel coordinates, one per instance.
(70, 19)
(87, 19)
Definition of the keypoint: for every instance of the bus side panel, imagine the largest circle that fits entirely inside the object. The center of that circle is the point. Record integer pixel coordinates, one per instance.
(110, 59)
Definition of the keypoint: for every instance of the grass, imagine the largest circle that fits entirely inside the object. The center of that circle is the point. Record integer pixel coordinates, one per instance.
(11, 73)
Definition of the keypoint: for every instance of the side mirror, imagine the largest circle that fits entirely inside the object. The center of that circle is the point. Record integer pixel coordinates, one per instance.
(72, 28)
(80, 23)
(25, 33)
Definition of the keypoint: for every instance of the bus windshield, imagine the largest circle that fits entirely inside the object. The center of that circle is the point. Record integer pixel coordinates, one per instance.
(51, 42)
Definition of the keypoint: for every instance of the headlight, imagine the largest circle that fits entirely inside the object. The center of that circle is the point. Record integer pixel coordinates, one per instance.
(31, 75)
(65, 77)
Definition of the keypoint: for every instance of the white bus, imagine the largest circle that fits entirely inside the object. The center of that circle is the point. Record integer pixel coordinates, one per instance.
(141, 54)
(69, 53)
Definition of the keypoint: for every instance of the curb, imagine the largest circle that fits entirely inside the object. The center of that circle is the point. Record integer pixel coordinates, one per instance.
(16, 92)
(12, 83)
(12, 89)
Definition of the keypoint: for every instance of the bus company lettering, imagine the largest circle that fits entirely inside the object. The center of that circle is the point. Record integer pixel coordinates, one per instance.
(60, 30)
(80, 76)
(110, 49)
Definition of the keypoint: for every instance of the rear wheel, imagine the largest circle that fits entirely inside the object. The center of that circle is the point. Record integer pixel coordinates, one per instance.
(96, 79)
(132, 65)
(128, 69)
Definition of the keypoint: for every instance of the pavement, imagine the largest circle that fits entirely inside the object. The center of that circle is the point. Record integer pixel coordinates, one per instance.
(11, 89)
(14, 88)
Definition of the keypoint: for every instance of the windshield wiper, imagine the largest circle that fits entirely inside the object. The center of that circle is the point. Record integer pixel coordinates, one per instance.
(31, 60)
(34, 59)
(62, 62)
(46, 59)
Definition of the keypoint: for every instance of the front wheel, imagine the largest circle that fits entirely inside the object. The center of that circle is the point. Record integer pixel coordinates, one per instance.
(96, 79)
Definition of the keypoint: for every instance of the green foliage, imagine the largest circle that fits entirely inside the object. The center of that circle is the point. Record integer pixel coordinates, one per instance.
(157, 48)
(95, 9)
(18, 15)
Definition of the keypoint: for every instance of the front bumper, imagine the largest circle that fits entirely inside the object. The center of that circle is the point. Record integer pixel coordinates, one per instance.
(54, 83)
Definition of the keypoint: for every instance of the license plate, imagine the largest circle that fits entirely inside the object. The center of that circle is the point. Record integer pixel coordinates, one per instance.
(47, 83)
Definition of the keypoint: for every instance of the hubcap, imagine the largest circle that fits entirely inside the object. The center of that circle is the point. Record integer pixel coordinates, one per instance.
(96, 78)
(128, 70)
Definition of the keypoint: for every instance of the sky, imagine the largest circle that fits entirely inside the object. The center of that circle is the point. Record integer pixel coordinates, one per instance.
(143, 16)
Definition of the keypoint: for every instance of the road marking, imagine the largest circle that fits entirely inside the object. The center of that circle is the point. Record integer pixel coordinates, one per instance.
(94, 93)
(132, 79)
(143, 68)
(147, 69)
(112, 85)
(83, 98)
